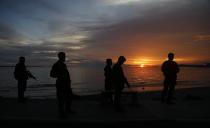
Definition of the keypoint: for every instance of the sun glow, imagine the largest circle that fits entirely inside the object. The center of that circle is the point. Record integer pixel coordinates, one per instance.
(142, 65)
(143, 62)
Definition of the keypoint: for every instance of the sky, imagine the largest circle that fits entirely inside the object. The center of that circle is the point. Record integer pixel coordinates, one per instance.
(89, 31)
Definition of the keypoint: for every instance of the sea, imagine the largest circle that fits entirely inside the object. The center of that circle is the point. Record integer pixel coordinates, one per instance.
(88, 80)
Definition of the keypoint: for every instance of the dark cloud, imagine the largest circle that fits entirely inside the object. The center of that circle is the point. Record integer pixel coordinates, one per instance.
(191, 18)
(41, 54)
(111, 30)
(7, 32)
(170, 25)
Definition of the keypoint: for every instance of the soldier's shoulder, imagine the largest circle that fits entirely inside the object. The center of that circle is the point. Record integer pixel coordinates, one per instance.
(175, 62)
(56, 63)
(165, 62)
(19, 65)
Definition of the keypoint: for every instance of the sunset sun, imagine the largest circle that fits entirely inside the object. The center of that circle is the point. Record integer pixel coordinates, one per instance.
(142, 65)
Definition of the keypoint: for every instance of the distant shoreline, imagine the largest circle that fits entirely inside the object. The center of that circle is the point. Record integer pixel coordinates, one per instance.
(14, 66)
(191, 65)
(181, 65)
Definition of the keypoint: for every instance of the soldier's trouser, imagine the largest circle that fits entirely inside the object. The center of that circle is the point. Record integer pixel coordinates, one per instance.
(21, 89)
(117, 97)
(64, 98)
(108, 89)
(168, 90)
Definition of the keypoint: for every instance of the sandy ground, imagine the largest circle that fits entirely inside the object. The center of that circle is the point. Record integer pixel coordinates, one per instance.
(191, 108)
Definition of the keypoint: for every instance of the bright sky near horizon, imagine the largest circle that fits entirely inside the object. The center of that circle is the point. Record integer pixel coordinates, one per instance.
(89, 31)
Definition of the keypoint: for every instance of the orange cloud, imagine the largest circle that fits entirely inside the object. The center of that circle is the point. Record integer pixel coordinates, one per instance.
(201, 38)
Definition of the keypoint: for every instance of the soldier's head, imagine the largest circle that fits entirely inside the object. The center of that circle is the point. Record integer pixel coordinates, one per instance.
(21, 59)
(171, 56)
(61, 56)
(109, 61)
(121, 60)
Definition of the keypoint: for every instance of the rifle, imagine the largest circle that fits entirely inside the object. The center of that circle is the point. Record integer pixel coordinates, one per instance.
(30, 75)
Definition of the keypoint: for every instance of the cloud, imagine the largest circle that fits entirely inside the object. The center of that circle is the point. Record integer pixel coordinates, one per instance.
(201, 38)
(7, 32)
(170, 19)
(43, 53)
(97, 29)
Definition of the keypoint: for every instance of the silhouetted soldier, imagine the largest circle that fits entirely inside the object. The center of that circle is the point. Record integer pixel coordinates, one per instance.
(170, 69)
(22, 75)
(63, 85)
(119, 80)
(108, 79)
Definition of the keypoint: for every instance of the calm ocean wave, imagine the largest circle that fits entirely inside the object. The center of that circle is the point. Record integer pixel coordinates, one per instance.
(90, 80)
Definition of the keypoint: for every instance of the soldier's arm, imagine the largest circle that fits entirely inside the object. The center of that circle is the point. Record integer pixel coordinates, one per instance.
(53, 72)
(126, 82)
(16, 74)
(163, 67)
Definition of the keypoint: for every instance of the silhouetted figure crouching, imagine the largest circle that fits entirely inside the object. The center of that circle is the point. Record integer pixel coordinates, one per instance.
(22, 75)
(119, 80)
(170, 69)
(63, 85)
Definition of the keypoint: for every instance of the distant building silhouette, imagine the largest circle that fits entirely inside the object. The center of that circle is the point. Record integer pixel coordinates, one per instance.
(22, 75)
(63, 85)
(119, 80)
(170, 69)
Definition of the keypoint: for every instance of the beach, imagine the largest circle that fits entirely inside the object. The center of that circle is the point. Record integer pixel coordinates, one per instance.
(191, 108)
